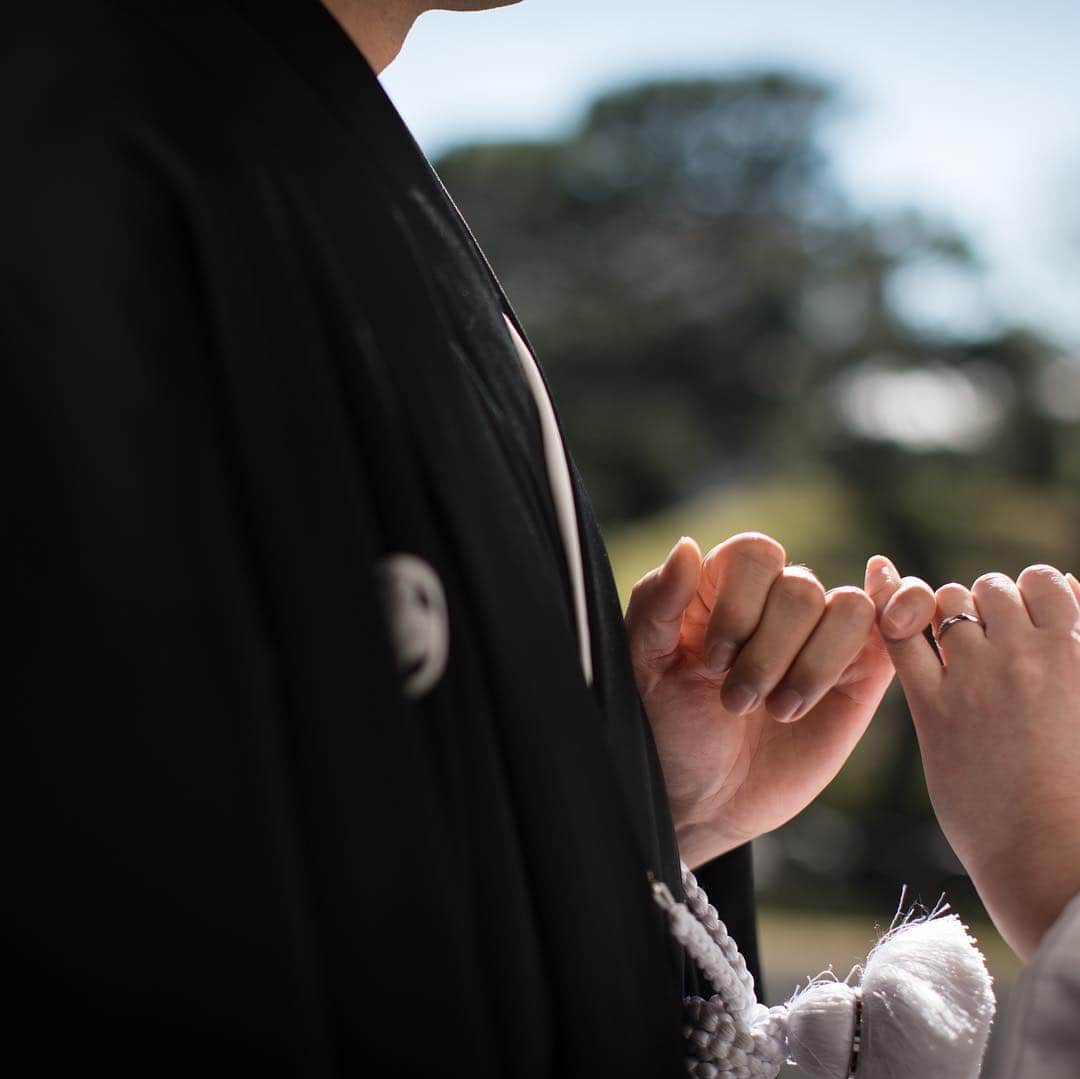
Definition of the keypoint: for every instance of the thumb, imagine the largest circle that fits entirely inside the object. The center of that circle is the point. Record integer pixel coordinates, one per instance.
(905, 607)
(654, 614)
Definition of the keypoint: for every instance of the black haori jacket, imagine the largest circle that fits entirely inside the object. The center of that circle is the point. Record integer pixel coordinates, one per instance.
(251, 354)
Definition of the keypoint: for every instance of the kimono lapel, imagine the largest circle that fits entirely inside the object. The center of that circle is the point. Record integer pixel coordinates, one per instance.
(324, 57)
(312, 42)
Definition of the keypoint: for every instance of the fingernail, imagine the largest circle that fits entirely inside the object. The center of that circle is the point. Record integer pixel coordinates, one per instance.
(721, 656)
(877, 577)
(783, 705)
(738, 700)
(897, 624)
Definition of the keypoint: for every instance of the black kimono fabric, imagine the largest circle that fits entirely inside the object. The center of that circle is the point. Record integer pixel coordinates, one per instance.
(249, 350)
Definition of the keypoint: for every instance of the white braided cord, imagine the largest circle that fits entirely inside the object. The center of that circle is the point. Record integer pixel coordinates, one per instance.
(730, 1035)
(741, 999)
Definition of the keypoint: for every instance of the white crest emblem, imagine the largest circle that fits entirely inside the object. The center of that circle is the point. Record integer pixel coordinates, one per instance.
(417, 615)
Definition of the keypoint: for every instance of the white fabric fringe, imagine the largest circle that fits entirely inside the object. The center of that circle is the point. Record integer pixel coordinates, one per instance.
(922, 1007)
(927, 1003)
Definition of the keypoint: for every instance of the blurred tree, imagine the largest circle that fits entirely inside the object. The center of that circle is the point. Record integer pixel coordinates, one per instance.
(690, 273)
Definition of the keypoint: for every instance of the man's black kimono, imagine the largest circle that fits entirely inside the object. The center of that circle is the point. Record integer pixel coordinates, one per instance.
(249, 352)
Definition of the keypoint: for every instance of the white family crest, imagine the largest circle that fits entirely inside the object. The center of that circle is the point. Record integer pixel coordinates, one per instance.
(418, 619)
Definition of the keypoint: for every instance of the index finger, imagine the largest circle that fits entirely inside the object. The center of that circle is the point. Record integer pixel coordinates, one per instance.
(736, 577)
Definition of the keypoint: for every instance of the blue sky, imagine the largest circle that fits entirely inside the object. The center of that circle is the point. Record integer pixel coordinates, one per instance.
(967, 109)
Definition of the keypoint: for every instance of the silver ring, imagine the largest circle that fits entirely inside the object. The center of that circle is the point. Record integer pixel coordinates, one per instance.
(963, 616)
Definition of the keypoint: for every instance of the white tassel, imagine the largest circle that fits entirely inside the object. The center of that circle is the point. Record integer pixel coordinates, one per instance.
(922, 1009)
(822, 1029)
(927, 1003)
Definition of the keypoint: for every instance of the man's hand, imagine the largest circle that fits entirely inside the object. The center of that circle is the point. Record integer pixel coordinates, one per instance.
(998, 720)
(758, 683)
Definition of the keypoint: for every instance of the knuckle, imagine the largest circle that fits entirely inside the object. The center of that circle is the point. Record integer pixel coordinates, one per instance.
(1041, 575)
(915, 586)
(914, 582)
(993, 582)
(760, 549)
(853, 603)
(800, 587)
(953, 591)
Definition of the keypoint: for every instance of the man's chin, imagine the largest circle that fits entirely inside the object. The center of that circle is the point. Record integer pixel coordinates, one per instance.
(472, 5)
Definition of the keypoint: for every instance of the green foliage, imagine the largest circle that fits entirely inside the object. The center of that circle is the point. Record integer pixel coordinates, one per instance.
(695, 283)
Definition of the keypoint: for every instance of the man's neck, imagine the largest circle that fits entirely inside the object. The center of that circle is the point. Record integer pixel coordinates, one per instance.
(378, 28)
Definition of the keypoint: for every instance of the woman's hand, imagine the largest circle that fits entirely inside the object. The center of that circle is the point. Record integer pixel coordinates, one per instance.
(998, 722)
(758, 683)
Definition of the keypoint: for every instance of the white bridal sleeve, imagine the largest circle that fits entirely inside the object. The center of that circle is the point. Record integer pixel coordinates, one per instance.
(1041, 1035)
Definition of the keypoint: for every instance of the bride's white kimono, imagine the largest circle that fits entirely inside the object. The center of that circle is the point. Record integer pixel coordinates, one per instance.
(1041, 1035)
